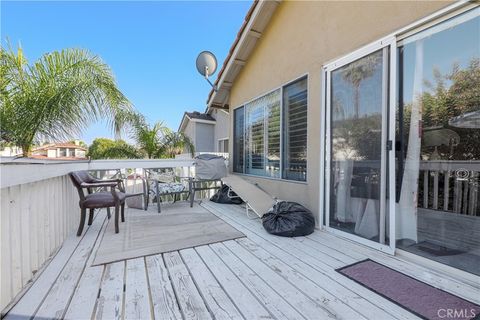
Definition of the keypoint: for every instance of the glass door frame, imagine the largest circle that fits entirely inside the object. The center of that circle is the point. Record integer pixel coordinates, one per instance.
(387, 141)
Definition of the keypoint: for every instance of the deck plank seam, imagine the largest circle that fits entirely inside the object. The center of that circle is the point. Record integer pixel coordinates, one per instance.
(252, 293)
(227, 245)
(61, 270)
(210, 311)
(302, 261)
(259, 277)
(226, 291)
(85, 265)
(314, 267)
(218, 283)
(296, 286)
(440, 277)
(170, 278)
(149, 291)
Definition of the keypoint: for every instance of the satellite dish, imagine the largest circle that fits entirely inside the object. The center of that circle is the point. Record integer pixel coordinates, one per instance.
(206, 63)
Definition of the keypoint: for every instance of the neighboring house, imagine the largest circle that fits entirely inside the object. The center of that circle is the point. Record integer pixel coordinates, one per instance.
(11, 151)
(208, 131)
(334, 105)
(60, 151)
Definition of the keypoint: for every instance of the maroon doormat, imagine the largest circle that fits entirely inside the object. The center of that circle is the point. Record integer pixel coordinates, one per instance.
(411, 294)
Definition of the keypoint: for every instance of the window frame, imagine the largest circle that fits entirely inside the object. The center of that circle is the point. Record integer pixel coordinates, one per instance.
(388, 133)
(222, 140)
(265, 93)
(234, 126)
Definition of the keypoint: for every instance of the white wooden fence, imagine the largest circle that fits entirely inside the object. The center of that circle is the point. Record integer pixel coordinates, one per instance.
(39, 210)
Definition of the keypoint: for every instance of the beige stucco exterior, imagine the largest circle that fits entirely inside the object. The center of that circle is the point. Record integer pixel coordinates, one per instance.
(221, 126)
(300, 38)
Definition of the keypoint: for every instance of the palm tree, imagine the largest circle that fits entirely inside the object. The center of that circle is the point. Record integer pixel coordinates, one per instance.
(174, 143)
(358, 71)
(56, 97)
(155, 141)
(148, 138)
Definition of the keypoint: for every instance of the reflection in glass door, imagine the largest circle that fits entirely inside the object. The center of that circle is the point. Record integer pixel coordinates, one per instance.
(438, 154)
(357, 124)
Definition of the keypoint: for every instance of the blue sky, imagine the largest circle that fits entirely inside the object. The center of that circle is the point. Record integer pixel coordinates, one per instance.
(151, 46)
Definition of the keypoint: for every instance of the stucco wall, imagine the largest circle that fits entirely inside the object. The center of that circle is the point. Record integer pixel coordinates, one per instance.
(301, 37)
(204, 133)
(221, 126)
(189, 131)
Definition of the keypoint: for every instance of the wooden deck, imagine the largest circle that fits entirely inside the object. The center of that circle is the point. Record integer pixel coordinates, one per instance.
(258, 277)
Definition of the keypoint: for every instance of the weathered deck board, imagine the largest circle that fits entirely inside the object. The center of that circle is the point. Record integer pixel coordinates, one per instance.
(82, 304)
(137, 300)
(466, 289)
(358, 297)
(279, 307)
(320, 295)
(438, 279)
(217, 300)
(258, 277)
(302, 302)
(248, 305)
(110, 301)
(189, 299)
(165, 305)
(56, 302)
(32, 299)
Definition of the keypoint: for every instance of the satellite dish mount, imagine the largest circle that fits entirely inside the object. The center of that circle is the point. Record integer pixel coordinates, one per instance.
(207, 65)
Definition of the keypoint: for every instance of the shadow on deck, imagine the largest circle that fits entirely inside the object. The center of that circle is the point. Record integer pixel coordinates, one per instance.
(260, 276)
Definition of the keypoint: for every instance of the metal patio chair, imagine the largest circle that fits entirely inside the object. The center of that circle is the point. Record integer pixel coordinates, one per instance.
(209, 170)
(98, 196)
(164, 182)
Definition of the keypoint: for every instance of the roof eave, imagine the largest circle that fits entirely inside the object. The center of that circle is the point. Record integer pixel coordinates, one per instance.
(250, 32)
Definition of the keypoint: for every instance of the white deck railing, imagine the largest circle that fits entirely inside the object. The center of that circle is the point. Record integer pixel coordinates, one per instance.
(451, 186)
(39, 210)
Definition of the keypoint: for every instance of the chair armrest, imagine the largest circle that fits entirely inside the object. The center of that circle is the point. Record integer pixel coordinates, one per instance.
(98, 184)
(108, 180)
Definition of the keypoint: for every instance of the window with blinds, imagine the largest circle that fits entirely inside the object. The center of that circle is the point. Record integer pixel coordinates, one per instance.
(262, 139)
(238, 139)
(270, 137)
(295, 131)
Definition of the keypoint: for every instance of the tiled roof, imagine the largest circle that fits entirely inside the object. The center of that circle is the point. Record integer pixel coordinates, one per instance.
(201, 116)
(60, 145)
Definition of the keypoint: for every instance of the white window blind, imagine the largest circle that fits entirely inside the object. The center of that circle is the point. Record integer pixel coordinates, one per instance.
(238, 139)
(295, 131)
(262, 118)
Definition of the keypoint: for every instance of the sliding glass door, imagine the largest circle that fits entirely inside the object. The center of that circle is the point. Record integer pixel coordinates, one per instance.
(357, 144)
(438, 154)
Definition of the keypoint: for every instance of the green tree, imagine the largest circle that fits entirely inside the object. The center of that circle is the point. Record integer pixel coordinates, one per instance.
(156, 141)
(103, 148)
(450, 95)
(56, 97)
(147, 137)
(174, 143)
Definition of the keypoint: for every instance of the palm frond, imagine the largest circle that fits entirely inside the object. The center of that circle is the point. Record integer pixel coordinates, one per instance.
(57, 96)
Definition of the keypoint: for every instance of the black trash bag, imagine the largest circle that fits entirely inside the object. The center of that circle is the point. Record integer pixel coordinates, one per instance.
(289, 219)
(222, 196)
